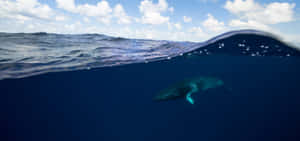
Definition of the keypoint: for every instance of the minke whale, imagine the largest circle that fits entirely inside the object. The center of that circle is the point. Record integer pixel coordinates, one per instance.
(187, 87)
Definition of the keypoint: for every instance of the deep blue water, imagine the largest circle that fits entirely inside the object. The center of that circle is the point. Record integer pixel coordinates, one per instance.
(115, 103)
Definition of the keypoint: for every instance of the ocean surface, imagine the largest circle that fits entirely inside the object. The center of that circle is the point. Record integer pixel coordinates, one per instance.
(87, 87)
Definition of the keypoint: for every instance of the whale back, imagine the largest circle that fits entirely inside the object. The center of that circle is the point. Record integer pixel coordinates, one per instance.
(175, 91)
(205, 83)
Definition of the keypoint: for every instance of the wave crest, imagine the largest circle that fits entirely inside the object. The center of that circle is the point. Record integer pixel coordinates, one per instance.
(27, 54)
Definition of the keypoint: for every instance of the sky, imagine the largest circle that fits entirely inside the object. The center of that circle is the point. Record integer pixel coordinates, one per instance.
(179, 20)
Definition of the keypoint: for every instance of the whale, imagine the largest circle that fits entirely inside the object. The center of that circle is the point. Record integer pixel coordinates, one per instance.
(187, 87)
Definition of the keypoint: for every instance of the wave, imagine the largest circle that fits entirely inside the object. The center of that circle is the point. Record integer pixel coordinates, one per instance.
(28, 54)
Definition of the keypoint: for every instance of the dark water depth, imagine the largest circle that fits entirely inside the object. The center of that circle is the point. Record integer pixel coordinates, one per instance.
(116, 103)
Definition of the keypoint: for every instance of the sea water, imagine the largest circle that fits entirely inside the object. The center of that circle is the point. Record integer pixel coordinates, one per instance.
(95, 87)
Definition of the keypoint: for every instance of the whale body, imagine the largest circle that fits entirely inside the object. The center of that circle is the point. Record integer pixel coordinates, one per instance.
(187, 87)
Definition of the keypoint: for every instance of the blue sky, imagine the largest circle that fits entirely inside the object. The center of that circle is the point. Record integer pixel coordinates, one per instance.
(188, 20)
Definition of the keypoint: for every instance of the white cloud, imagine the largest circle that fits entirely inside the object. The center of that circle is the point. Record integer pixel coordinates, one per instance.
(274, 13)
(151, 33)
(249, 24)
(239, 6)
(177, 26)
(120, 13)
(212, 24)
(205, 1)
(105, 20)
(197, 31)
(85, 19)
(31, 26)
(171, 9)
(252, 14)
(102, 10)
(21, 18)
(170, 26)
(68, 5)
(152, 12)
(187, 19)
(70, 27)
(24, 10)
(60, 18)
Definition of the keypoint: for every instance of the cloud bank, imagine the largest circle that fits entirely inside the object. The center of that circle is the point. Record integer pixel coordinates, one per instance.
(153, 19)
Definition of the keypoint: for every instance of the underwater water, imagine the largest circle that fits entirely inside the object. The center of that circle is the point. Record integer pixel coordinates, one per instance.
(96, 87)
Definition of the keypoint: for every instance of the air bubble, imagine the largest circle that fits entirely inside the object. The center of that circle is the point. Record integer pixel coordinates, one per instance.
(221, 45)
(241, 45)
